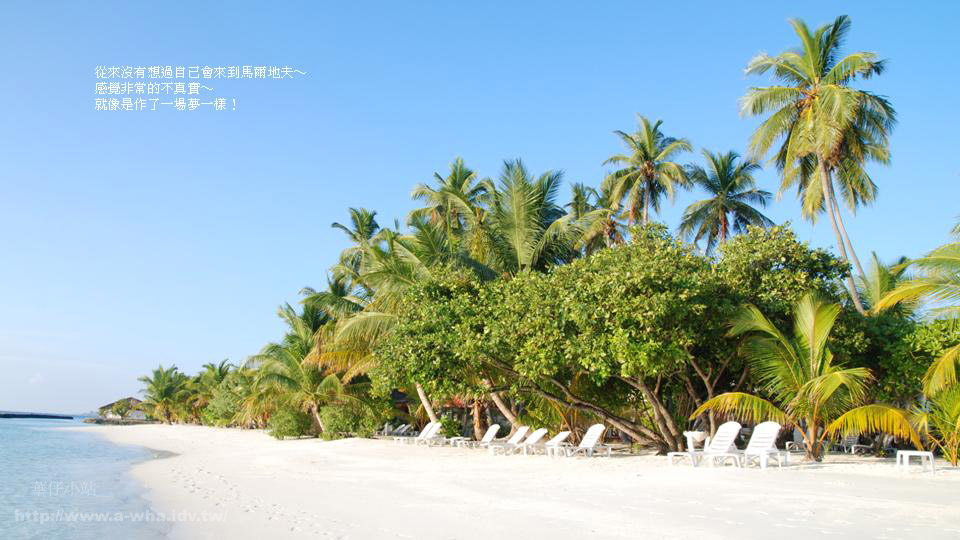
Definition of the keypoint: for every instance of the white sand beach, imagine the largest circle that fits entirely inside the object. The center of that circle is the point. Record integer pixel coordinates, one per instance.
(361, 489)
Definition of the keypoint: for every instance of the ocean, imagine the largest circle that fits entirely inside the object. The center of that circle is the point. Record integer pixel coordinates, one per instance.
(61, 485)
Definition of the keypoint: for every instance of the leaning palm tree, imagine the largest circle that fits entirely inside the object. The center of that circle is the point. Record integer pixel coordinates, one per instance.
(825, 125)
(729, 209)
(648, 171)
(805, 386)
(164, 391)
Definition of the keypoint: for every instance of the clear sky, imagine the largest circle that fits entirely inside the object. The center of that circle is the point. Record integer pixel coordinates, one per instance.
(128, 240)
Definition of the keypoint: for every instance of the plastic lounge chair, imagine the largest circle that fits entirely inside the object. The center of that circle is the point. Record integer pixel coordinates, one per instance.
(590, 442)
(429, 436)
(721, 443)
(506, 449)
(487, 437)
(517, 436)
(850, 444)
(552, 447)
(426, 428)
(761, 447)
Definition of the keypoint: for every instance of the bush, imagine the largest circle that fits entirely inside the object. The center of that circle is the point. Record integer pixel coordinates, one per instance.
(290, 423)
(349, 419)
(449, 427)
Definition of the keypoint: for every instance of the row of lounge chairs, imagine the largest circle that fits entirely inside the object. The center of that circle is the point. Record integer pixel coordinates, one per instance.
(722, 448)
(522, 441)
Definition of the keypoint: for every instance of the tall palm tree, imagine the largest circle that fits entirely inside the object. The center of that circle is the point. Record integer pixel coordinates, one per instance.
(648, 171)
(363, 231)
(460, 191)
(164, 391)
(825, 126)
(805, 385)
(729, 209)
(526, 227)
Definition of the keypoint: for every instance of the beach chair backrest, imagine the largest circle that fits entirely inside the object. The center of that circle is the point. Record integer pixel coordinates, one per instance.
(402, 429)
(434, 430)
(850, 440)
(764, 437)
(535, 437)
(558, 439)
(725, 437)
(592, 436)
(521, 431)
(491, 433)
(428, 430)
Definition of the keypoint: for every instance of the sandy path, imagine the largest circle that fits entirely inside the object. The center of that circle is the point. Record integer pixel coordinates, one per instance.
(363, 489)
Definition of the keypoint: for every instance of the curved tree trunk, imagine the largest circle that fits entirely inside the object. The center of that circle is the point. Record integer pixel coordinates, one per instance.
(504, 409)
(426, 404)
(825, 184)
(843, 232)
(315, 415)
(479, 419)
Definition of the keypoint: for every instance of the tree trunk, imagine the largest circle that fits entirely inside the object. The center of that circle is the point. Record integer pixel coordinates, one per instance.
(426, 404)
(504, 410)
(315, 414)
(843, 232)
(479, 421)
(825, 183)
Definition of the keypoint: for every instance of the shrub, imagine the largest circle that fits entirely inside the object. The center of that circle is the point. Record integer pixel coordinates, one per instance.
(349, 419)
(290, 423)
(449, 427)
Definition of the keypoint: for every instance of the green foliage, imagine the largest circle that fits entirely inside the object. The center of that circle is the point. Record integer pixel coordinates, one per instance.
(772, 270)
(349, 419)
(450, 427)
(289, 422)
(227, 399)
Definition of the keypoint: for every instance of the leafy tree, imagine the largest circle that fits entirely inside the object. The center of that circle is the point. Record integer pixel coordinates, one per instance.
(825, 125)
(648, 171)
(733, 192)
(804, 383)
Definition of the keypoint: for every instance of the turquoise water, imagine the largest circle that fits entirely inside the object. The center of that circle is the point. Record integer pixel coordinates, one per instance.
(62, 485)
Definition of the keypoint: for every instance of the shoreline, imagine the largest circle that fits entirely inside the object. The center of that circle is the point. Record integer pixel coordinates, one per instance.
(362, 488)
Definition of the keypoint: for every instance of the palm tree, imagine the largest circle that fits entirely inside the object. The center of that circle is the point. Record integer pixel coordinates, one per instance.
(939, 422)
(938, 282)
(164, 391)
(596, 212)
(805, 385)
(527, 229)
(457, 193)
(732, 190)
(363, 232)
(825, 125)
(648, 171)
(880, 280)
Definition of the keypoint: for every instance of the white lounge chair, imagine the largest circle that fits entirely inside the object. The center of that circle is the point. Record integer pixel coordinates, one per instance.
(721, 443)
(426, 428)
(487, 437)
(514, 439)
(429, 436)
(552, 447)
(850, 445)
(589, 443)
(762, 446)
(506, 449)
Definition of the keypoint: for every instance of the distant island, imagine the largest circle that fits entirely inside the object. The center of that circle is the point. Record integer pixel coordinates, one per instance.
(36, 416)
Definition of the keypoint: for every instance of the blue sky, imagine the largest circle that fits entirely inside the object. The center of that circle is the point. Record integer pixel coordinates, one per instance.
(133, 239)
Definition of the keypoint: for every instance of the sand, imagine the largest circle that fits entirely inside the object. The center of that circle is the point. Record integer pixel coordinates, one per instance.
(256, 487)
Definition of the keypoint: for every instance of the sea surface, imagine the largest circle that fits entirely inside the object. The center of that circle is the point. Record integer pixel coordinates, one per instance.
(60, 485)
